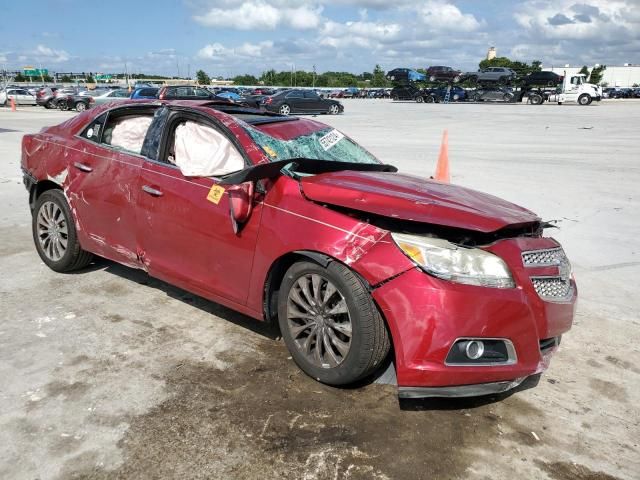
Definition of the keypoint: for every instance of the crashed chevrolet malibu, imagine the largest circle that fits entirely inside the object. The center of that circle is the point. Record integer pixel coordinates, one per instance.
(286, 219)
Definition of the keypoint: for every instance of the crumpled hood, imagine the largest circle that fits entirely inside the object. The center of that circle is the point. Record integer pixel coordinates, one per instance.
(408, 197)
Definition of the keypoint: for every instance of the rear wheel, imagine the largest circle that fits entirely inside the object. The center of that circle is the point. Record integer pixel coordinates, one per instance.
(49, 105)
(330, 324)
(429, 99)
(334, 109)
(81, 107)
(285, 109)
(535, 99)
(419, 99)
(54, 233)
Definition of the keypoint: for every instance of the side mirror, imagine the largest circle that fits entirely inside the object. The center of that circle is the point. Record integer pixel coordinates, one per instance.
(240, 204)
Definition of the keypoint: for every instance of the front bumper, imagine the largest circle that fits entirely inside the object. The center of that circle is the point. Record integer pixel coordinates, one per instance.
(426, 315)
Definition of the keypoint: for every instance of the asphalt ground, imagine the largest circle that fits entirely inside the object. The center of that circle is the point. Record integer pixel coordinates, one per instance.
(109, 374)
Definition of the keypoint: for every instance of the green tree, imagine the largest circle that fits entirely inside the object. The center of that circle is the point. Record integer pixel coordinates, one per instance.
(245, 80)
(584, 71)
(521, 68)
(89, 79)
(20, 78)
(202, 77)
(596, 74)
(66, 79)
(379, 78)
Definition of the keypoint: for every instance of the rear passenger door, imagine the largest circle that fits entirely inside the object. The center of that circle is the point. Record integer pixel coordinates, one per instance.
(103, 179)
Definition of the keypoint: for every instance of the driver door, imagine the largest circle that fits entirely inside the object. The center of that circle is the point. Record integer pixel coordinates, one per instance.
(185, 231)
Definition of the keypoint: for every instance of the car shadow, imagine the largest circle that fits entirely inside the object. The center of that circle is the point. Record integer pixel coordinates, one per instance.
(266, 329)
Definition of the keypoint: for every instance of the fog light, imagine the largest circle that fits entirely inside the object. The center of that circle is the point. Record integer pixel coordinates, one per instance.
(474, 349)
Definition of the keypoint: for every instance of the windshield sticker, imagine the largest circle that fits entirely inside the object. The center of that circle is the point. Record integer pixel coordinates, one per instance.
(215, 194)
(330, 139)
(270, 151)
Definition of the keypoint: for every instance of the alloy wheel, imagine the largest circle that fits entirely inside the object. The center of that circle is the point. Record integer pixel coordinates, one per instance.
(333, 110)
(285, 110)
(319, 321)
(52, 231)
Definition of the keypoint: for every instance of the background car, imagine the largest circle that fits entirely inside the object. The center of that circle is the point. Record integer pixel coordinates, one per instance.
(45, 97)
(230, 95)
(492, 74)
(20, 96)
(74, 101)
(405, 75)
(542, 78)
(112, 96)
(443, 74)
(145, 93)
(492, 95)
(404, 92)
(456, 94)
(180, 92)
(301, 101)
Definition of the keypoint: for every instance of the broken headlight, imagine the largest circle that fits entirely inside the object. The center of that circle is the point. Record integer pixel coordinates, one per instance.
(443, 259)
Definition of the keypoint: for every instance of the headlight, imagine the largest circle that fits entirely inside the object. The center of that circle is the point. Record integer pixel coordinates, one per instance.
(445, 260)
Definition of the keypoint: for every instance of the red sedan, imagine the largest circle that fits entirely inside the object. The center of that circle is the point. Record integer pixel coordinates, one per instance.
(286, 219)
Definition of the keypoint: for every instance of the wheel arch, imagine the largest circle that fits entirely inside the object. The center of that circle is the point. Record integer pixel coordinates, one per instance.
(39, 188)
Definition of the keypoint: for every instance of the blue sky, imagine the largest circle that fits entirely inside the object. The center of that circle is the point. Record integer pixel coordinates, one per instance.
(229, 37)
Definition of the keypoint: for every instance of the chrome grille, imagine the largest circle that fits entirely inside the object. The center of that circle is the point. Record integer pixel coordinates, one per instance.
(551, 256)
(552, 288)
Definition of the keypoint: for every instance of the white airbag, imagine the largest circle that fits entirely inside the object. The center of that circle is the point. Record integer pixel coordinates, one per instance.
(202, 151)
(129, 132)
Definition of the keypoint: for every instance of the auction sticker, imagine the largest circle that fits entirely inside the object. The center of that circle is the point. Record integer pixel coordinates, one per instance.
(215, 194)
(330, 139)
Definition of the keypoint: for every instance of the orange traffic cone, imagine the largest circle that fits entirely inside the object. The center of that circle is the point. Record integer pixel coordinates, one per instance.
(13, 104)
(442, 169)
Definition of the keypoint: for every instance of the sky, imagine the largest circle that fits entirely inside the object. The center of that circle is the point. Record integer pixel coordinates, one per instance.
(228, 38)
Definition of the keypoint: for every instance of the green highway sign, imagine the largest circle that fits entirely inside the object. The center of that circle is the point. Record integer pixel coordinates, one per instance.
(102, 76)
(35, 72)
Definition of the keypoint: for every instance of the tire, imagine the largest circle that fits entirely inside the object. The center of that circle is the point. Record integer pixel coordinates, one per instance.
(455, 97)
(507, 97)
(334, 109)
(429, 99)
(584, 99)
(80, 107)
(52, 219)
(419, 99)
(284, 109)
(49, 105)
(355, 340)
(536, 99)
(395, 98)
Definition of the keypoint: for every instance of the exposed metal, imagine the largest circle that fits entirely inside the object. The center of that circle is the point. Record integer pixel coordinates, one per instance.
(319, 320)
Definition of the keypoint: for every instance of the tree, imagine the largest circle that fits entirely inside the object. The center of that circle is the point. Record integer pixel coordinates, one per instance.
(89, 79)
(19, 78)
(596, 74)
(379, 78)
(584, 71)
(245, 80)
(521, 68)
(203, 78)
(66, 79)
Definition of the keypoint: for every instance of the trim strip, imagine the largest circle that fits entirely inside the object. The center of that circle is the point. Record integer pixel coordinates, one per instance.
(460, 390)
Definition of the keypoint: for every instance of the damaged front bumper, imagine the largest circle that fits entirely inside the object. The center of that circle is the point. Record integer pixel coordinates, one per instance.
(428, 317)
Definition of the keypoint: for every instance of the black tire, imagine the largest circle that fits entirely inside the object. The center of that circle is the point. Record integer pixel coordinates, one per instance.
(536, 99)
(74, 257)
(369, 344)
(80, 107)
(49, 105)
(284, 109)
(584, 99)
(429, 99)
(419, 99)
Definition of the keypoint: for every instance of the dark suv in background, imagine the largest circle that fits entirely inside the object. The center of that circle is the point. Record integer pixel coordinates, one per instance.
(185, 92)
(443, 74)
(542, 79)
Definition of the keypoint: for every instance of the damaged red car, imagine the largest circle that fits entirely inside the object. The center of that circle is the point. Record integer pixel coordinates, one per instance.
(288, 220)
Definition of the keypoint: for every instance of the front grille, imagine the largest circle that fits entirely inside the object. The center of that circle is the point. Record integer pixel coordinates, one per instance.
(551, 256)
(552, 288)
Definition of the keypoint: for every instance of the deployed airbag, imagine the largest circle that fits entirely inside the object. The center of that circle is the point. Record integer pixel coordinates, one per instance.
(202, 151)
(128, 132)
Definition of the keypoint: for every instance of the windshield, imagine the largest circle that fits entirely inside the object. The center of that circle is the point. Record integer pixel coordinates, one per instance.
(325, 144)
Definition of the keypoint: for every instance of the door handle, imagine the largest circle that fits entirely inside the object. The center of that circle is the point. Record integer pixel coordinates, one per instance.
(83, 167)
(152, 191)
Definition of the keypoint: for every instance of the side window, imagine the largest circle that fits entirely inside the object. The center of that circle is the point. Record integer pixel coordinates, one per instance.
(201, 92)
(200, 150)
(94, 131)
(184, 92)
(312, 95)
(127, 132)
(294, 95)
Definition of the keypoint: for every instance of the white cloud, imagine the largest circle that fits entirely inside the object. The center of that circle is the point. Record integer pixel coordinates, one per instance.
(441, 15)
(261, 15)
(218, 51)
(42, 53)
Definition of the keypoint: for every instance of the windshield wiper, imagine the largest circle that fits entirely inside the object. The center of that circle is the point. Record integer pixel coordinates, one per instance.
(300, 165)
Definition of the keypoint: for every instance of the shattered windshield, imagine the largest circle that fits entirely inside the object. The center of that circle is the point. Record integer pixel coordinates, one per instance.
(325, 144)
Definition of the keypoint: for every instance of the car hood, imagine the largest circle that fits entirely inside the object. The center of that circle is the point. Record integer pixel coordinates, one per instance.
(408, 197)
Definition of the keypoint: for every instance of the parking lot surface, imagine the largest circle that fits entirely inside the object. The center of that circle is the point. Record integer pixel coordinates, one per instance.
(107, 373)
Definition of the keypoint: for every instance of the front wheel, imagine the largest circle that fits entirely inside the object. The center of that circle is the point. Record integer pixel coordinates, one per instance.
(419, 99)
(81, 107)
(285, 109)
(429, 99)
(330, 323)
(54, 234)
(334, 109)
(49, 105)
(536, 99)
(584, 99)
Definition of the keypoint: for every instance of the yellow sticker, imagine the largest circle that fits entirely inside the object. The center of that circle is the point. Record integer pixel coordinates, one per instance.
(215, 194)
(270, 151)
